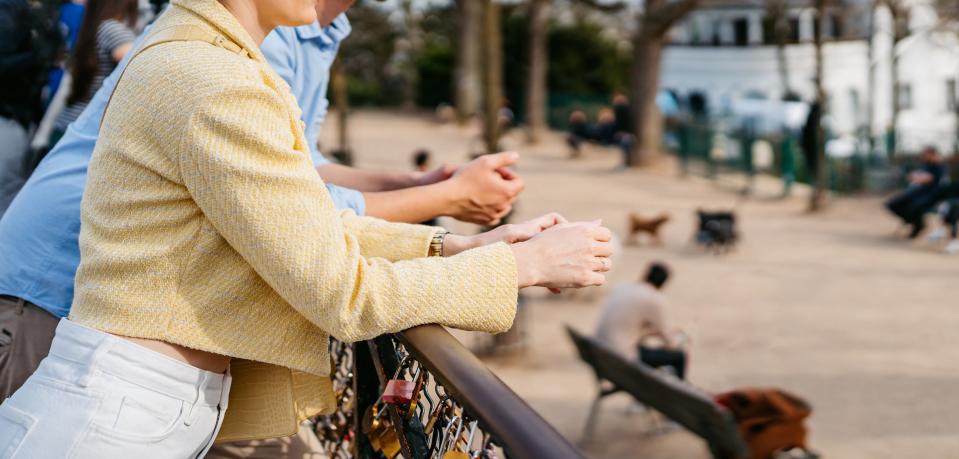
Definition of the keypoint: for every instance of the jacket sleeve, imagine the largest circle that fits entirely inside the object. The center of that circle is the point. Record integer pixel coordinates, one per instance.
(247, 167)
(384, 239)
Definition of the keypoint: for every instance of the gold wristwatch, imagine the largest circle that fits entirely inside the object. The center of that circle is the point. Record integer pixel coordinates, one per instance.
(436, 245)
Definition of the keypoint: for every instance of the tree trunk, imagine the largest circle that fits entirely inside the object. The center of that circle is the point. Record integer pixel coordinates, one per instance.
(781, 31)
(871, 79)
(492, 74)
(896, 96)
(816, 200)
(536, 84)
(468, 59)
(342, 105)
(900, 30)
(410, 75)
(647, 59)
(783, 69)
(777, 12)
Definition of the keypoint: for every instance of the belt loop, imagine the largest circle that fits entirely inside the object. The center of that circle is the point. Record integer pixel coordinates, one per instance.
(21, 303)
(198, 387)
(102, 349)
(225, 389)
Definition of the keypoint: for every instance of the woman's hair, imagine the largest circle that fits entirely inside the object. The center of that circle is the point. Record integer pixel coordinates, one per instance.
(83, 67)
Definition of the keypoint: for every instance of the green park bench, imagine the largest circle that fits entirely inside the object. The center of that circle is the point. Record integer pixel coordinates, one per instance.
(675, 399)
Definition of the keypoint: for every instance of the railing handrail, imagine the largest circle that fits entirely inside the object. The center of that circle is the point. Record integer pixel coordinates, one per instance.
(516, 426)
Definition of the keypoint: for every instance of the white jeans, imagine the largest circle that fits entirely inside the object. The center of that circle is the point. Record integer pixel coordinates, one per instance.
(99, 396)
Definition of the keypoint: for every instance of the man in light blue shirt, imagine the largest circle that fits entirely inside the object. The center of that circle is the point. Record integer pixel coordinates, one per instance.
(479, 192)
(39, 250)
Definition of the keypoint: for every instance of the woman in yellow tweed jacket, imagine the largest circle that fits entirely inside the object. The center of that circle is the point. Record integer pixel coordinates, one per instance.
(211, 255)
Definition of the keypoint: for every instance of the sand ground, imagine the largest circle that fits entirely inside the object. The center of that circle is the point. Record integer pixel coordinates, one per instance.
(832, 307)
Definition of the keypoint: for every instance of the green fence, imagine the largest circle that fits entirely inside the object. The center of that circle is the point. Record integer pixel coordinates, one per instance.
(712, 148)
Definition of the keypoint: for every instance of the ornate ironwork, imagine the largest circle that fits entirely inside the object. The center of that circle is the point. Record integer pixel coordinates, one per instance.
(440, 420)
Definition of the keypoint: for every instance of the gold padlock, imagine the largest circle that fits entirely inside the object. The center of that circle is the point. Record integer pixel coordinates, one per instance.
(371, 425)
(379, 429)
(389, 440)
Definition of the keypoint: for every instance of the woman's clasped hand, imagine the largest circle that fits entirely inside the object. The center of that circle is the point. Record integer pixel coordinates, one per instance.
(550, 251)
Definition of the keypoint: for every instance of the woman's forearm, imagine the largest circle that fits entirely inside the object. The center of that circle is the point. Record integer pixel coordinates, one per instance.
(365, 180)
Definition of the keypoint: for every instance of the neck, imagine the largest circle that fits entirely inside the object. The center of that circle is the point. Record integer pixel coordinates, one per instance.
(247, 15)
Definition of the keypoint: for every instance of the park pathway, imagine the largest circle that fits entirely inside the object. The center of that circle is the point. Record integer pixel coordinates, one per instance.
(832, 307)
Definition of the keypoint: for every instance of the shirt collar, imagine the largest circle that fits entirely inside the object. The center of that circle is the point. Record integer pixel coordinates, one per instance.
(329, 36)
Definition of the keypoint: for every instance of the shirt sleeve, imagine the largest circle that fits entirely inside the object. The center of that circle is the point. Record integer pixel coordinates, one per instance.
(266, 200)
(347, 198)
(112, 34)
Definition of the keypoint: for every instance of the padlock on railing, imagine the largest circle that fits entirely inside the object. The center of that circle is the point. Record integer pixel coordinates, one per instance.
(399, 391)
(381, 433)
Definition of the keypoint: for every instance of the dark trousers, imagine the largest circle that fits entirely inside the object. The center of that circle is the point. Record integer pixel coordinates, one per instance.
(913, 204)
(657, 357)
(26, 332)
(903, 204)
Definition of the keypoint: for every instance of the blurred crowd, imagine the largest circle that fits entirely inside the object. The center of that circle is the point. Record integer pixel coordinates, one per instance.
(54, 55)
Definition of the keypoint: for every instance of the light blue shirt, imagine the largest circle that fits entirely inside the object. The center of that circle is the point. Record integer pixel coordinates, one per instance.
(303, 57)
(39, 233)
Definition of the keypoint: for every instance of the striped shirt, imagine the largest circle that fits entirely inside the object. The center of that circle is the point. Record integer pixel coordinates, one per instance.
(111, 35)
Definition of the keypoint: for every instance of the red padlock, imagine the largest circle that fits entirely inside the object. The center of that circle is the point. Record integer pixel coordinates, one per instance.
(398, 391)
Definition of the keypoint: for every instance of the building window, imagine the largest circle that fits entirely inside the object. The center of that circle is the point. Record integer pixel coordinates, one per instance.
(741, 31)
(794, 30)
(905, 96)
(951, 95)
(836, 29)
(769, 31)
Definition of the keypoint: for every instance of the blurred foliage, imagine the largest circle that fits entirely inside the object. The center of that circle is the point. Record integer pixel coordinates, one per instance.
(366, 55)
(436, 60)
(582, 62)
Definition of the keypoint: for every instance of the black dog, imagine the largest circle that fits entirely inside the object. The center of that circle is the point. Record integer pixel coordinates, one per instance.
(717, 230)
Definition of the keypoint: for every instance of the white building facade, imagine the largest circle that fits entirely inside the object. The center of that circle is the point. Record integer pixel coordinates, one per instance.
(725, 51)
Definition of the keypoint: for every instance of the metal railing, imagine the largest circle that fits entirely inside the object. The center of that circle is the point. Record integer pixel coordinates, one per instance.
(421, 395)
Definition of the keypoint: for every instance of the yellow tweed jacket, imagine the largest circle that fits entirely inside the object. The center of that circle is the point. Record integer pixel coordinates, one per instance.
(204, 224)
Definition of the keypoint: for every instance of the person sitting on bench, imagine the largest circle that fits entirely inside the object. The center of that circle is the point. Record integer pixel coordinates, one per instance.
(923, 193)
(632, 323)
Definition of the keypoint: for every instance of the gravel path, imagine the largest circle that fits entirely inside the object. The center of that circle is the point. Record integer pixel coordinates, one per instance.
(832, 307)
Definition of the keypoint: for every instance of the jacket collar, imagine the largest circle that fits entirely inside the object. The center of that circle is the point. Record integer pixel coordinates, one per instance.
(222, 21)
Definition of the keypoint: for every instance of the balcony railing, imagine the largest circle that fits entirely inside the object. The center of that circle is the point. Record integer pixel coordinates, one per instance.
(422, 395)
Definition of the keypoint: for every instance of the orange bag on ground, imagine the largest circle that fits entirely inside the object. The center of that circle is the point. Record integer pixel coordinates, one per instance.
(770, 419)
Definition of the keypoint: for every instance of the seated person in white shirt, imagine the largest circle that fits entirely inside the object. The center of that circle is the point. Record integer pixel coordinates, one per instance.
(632, 323)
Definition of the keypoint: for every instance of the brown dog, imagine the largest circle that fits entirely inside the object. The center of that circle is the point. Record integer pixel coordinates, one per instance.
(640, 224)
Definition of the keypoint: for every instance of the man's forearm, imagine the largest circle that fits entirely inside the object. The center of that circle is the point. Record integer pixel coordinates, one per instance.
(410, 205)
(366, 181)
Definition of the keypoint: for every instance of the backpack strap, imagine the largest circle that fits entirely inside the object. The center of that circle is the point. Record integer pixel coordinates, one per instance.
(177, 33)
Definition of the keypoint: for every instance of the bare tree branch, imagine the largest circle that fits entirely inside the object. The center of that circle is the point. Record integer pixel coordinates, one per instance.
(661, 18)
